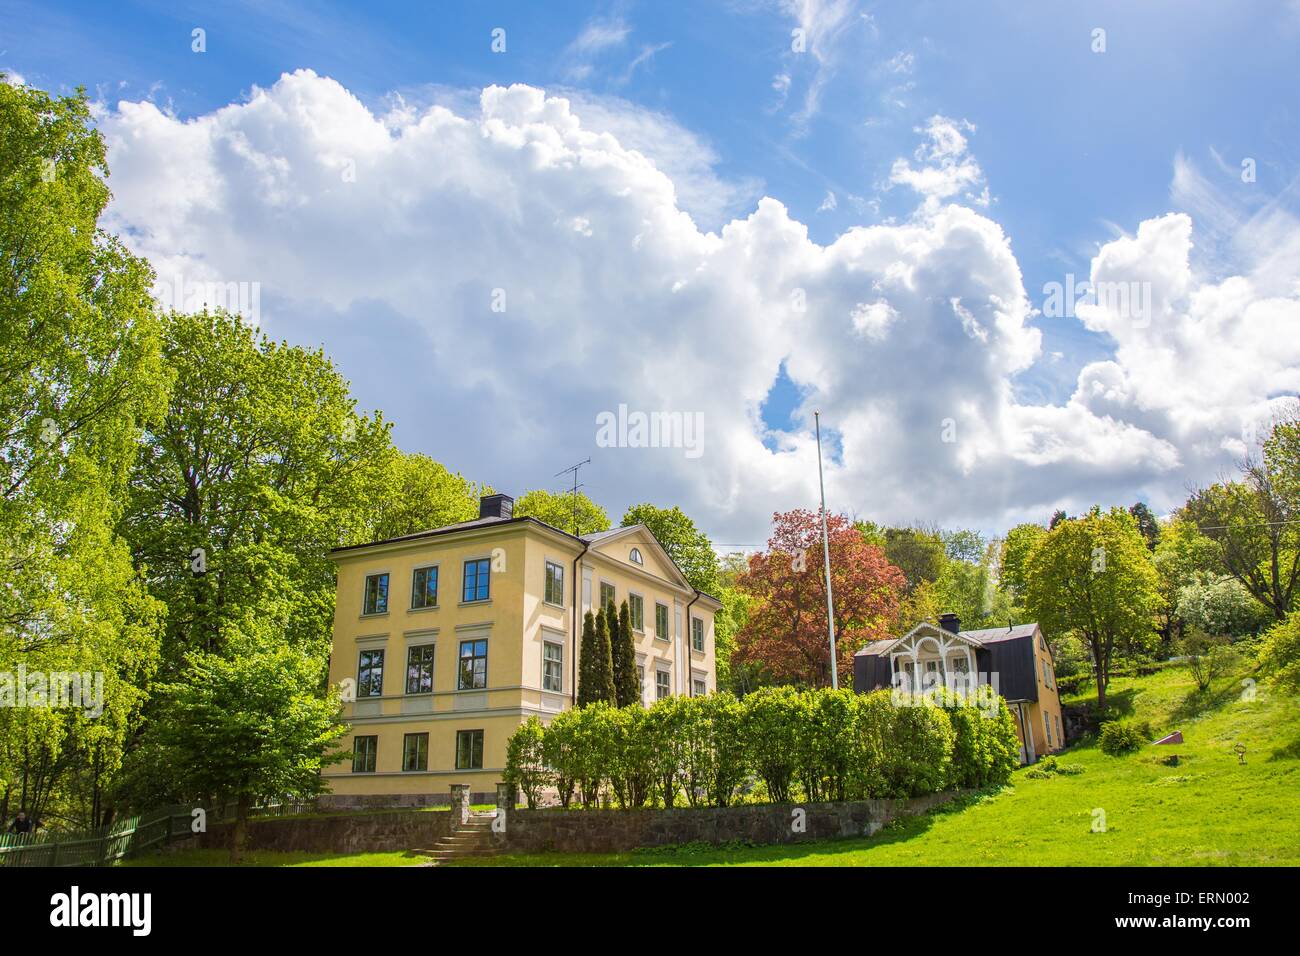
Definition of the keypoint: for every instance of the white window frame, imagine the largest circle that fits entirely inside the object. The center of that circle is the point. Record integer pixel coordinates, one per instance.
(388, 593)
(631, 611)
(546, 568)
(560, 644)
(703, 634)
(667, 675)
(667, 621)
(438, 596)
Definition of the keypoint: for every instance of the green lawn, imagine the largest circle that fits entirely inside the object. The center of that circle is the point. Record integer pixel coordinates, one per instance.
(1209, 810)
(273, 858)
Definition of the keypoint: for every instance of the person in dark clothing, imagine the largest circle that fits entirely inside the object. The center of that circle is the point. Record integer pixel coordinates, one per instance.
(22, 823)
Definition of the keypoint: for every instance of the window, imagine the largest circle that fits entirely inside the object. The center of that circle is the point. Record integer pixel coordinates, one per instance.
(636, 606)
(661, 621)
(663, 687)
(697, 633)
(469, 750)
(473, 665)
(376, 601)
(424, 588)
(1060, 734)
(553, 667)
(415, 752)
(477, 577)
(1047, 721)
(419, 669)
(640, 681)
(960, 665)
(363, 754)
(554, 591)
(698, 688)
(370, 674)
(635, 556)
(606, 594)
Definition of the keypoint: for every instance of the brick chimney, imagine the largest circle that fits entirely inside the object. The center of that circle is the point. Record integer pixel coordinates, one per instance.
(496, 506)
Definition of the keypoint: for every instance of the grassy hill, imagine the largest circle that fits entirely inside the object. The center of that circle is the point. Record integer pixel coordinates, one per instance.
(1209, 810)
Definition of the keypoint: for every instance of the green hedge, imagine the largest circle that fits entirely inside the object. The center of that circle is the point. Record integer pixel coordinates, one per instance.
(779, 744)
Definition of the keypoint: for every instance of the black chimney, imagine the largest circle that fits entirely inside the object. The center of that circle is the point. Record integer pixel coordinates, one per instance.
(496, 506)
(950, 622)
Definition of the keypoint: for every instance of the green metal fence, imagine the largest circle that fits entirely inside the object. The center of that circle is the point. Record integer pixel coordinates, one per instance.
(127, 837)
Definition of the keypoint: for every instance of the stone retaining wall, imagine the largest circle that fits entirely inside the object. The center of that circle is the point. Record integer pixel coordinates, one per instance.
(613, 831)
(339, 833)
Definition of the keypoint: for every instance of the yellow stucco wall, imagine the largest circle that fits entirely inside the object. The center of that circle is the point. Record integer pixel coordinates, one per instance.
(515, 621)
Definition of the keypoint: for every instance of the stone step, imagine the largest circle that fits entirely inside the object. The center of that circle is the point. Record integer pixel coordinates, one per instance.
(452, 843)
(442, 856)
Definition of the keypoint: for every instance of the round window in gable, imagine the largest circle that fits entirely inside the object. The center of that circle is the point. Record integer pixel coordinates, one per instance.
(635, 556)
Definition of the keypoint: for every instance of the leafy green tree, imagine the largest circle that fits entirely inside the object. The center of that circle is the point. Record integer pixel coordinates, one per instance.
(1094, 576)
(627, 689)
(918, 553)
(1016, 546)
(418, 494)
(688, 546)
(1256, 521)
(1207, 656)
(259, 468)
(526, 769)
(1221, 606)
(250, 727)
(556, 508)
(1279, 654)
(80, 373)
(1147, 523)
(1183, 558)
(770, 729)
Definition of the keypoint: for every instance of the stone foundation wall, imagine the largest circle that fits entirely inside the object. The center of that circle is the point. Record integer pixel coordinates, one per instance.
(613, 831)
(385, 801)
(339, 833)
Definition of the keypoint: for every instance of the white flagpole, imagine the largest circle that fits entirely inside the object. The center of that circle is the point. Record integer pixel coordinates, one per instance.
(826, 553)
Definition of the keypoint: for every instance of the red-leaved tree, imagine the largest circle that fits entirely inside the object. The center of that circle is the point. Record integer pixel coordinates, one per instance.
(786, 630)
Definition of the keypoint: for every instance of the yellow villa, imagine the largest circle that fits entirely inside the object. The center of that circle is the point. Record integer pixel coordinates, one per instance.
(447, 640)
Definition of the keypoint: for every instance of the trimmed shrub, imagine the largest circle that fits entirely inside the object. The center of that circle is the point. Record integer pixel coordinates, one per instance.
(526, 760)
(778, 745)
(770, 720)
(1120, 737)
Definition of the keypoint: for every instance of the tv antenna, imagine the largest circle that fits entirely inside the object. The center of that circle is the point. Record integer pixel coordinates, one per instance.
(576, 486)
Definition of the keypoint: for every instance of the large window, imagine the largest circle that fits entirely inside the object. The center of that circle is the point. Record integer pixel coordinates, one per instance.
(640, 682)
(698, 688)
(424, 588)
(554, 591)
(419, 669)
(473, 665)
(415, 752)
(697, 633)
(370, 674)
(1047, 722)
(376, 600)
(363, 754)
(606, 594)
(661, 621)
(553, 667)
(477, 580)
(469, 750)
(663, 685)
(636, 606)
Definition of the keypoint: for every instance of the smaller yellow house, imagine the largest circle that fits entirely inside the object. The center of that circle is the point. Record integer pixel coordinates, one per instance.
(447, 640)
(1016, 661)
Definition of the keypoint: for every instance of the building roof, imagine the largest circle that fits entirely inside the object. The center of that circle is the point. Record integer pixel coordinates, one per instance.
(988, 635)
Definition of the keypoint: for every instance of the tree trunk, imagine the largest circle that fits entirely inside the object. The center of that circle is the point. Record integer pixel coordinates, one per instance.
(241, 830)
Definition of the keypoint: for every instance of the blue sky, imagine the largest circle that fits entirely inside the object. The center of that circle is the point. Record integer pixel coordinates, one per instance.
(1075, 147)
